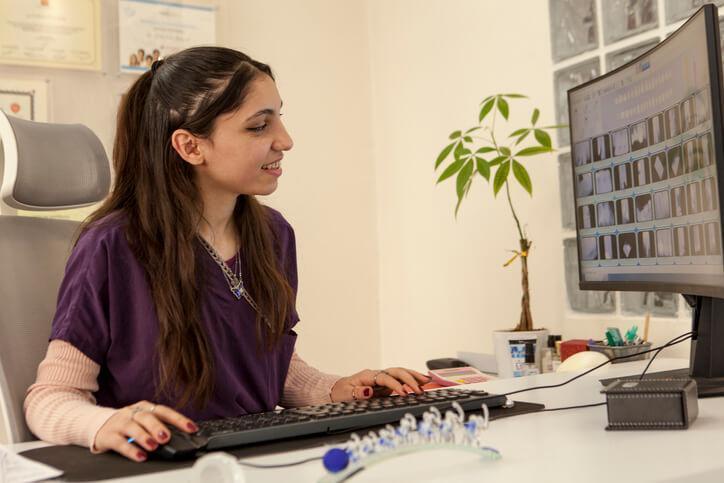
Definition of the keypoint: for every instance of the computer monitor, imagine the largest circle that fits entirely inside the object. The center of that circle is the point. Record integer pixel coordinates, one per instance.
(647, 152)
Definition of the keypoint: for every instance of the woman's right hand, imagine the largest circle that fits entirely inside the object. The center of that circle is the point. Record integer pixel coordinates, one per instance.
(144, 423)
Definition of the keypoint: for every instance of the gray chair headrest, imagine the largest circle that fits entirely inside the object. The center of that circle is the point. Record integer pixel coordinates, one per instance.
(51, 166)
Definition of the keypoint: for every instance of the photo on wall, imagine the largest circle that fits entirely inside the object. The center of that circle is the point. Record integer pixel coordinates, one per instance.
(657, 304)
(680, 9)
(623, 56)
(568, 78)
(573, 27)
(585, 301)
(624, 18)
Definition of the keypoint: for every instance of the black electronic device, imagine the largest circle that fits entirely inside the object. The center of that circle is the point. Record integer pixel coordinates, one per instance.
(325, 418)
(647, 152)
(445, 363)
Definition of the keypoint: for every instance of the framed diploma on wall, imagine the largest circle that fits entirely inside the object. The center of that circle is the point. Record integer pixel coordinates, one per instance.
(26, 99)
(153, 29)
(51, 33)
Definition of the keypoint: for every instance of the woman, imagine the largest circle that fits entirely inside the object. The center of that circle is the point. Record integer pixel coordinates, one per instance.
(180, 291)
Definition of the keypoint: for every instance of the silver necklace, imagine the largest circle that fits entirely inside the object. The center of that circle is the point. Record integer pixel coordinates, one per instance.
(234, 280)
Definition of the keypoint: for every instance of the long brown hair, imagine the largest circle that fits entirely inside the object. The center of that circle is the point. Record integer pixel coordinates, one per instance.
(155, 190)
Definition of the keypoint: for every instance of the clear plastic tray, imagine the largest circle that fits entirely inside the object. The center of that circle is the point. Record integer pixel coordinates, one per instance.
(623, 350)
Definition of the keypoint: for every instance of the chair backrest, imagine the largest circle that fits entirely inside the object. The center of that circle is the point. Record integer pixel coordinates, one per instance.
(46, 167)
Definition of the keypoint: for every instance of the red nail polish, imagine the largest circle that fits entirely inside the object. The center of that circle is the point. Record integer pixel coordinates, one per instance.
(151, 443)
(367, 392)
(162, 435)
(141, 456)
(192, 427)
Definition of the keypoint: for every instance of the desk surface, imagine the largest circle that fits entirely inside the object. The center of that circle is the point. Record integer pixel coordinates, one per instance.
(559, 446)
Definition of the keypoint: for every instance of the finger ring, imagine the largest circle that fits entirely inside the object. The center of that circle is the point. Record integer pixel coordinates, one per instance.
(153, 408)
(354, 395)
(131, 439)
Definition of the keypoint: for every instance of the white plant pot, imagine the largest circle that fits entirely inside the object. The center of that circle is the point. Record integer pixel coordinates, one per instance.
(510, 349)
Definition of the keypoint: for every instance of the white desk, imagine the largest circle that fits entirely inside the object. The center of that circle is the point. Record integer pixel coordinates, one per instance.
(560, 446)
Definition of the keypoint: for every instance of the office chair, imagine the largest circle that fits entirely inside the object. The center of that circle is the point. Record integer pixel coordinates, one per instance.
(46, 167)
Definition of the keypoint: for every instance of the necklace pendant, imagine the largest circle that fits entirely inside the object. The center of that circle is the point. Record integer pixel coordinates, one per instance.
(237, 292)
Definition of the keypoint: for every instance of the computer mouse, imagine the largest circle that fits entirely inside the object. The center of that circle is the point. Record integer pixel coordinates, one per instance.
(181, 446)
(581, 361)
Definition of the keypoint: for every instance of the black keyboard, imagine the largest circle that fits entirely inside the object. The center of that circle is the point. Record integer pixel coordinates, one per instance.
(326, 418)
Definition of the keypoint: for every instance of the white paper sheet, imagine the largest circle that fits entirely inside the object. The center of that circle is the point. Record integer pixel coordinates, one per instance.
(17, 469)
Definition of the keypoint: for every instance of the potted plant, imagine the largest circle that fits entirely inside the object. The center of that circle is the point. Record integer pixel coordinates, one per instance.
(480, 152)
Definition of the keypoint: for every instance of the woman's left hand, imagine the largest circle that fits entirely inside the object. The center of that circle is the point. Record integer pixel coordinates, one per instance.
(367, 383)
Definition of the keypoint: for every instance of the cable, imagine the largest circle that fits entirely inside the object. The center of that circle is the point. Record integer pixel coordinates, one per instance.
(673, 341)
(658, 352)
(575, 407)
(280, 465)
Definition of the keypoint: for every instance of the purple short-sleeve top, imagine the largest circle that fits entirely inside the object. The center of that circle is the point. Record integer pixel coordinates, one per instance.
(105, 309)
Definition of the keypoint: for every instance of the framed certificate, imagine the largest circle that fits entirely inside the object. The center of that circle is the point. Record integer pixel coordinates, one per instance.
(26, 99)
(153, 29)
(51, 33)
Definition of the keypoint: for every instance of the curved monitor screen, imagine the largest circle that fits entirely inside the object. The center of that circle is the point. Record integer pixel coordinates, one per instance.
(643, 149)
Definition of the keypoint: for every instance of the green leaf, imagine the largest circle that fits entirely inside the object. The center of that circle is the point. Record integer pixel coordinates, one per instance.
(518, 132)
(458, 150)
(533, 151)
(556, 126)
(484, 149)
(485, 100)
(472, 129)
(543, 138)
(455, 134)
(500, 176)
(503, 107)
(534, 117)
(497, 161)
(443, 154)
(486, 109)
(521, 174)
(522, 136)
(483, 168)
(451, 170)
(463, 177)
(468, 139)
(504, 151)
(515, 96)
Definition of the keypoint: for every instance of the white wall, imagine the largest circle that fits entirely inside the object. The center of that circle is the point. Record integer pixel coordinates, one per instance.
(442, 284)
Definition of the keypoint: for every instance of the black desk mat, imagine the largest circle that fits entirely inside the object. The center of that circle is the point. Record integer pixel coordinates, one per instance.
(79, 464)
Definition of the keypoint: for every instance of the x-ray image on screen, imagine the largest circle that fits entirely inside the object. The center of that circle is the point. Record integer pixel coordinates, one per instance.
(661, 205)
(604, 212)
(697, 240)
(678, 202)
(701, 107)
(608, 249)
(586, 216)
(691, 155)
(663, 243)
(625, 211)
(659, 167)
(681, 241)
(706, 154)
(601, 147)
(585, 185)
(622, 177)
(657, 130)
(688, 117)
(627, 245)
(676, 166)
(641, 174)
(620, 142)
(709, 200)
(713, 239)
(647, 247)
(582, 153)
(604, 183)
(644, 208)
(589, 248)
(639, 139)
(673, 122)
(693, 198)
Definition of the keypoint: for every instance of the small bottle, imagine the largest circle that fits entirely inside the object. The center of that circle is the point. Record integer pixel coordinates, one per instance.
(554, 343)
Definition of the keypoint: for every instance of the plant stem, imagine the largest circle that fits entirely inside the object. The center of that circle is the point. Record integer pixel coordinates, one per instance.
(515, 216)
